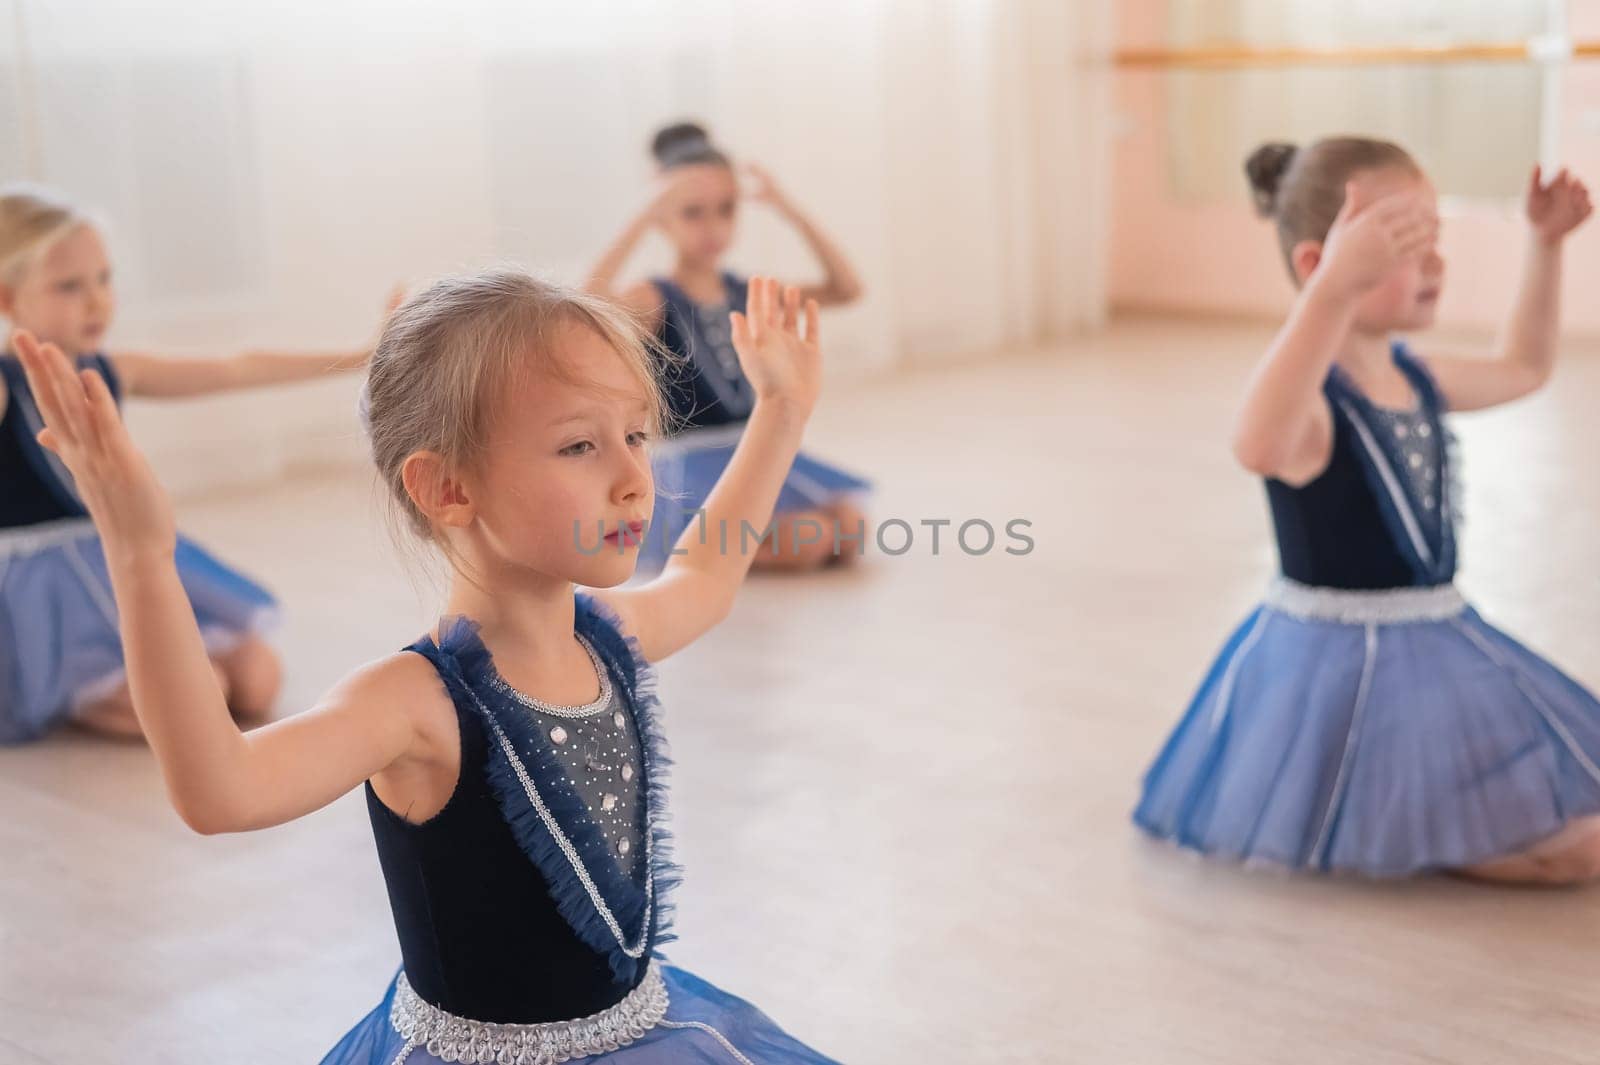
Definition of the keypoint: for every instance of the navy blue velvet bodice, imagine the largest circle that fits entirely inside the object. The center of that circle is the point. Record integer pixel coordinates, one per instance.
(1361, 523)
(703, 383)
(494, 921)
(34, 486)
(479, 933)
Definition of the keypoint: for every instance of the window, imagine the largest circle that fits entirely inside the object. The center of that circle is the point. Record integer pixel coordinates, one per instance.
(1475, 126)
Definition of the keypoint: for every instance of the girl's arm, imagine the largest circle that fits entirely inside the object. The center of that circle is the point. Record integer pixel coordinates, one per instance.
(1285, 429)
(839, 284)
(1527, 350)
(170, 378)
(173, 378)
(218, 779)
(696, 589)
(642, 298)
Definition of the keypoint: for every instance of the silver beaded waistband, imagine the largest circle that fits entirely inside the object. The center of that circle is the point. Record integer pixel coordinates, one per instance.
(1361, 607)
(459, 1039)
(26, 540)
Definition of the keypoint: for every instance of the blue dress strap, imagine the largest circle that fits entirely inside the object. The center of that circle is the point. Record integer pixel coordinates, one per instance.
(16, 380)
(1421, 378)
(736, 288)
(675, 298)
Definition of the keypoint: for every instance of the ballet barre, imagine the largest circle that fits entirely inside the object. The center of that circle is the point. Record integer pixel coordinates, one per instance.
(1542, 50)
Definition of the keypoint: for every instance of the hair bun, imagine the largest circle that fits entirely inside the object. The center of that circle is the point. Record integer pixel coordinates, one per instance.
(1265, 168)
(679, 141)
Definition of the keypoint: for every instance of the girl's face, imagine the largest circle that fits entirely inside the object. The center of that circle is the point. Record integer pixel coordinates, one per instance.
(1409, 297)
(701, 211)
(66, 297)
(566, 487)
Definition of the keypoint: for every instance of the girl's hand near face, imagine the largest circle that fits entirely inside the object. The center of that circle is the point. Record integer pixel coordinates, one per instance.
(1368, 240)
(764, 188)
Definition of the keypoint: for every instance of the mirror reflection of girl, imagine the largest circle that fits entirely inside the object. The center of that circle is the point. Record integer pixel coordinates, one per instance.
(1365, 718)
(60, 653)
(696, 207)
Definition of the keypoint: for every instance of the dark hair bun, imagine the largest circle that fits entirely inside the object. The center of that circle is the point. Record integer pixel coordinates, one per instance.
(1265, 169)
(679, 143)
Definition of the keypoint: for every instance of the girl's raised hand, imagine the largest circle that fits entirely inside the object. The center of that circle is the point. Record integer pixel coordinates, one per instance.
(763, 187)
(1368, 240)
(1556, 209)
(781, 363)
(84, 428)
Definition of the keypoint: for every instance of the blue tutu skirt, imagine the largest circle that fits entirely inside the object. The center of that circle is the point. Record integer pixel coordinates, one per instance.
(687, 468)
(701, 1025)
(60, 646)
(1378, 733)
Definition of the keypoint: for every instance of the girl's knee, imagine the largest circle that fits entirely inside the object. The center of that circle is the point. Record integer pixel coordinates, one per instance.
(806, 541)
(111, 716)
(251, 674)
(851, 536)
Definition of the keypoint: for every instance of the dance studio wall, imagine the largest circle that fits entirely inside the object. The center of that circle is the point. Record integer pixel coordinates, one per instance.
(268, 171)
(1217, 258)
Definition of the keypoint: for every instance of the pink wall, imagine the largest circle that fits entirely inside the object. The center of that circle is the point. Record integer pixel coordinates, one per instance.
(1220, 259)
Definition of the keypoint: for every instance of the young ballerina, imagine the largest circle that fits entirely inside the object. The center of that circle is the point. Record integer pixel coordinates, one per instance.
(708, 396)
(60, 654)
(1364, 718)
(512, 757)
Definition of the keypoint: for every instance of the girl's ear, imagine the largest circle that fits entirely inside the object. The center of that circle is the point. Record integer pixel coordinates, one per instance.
(1303, 259)
(8, 300)
(437, 490)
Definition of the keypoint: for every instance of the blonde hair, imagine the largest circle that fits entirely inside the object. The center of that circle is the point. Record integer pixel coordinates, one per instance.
(450, 354)
(31, 220)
